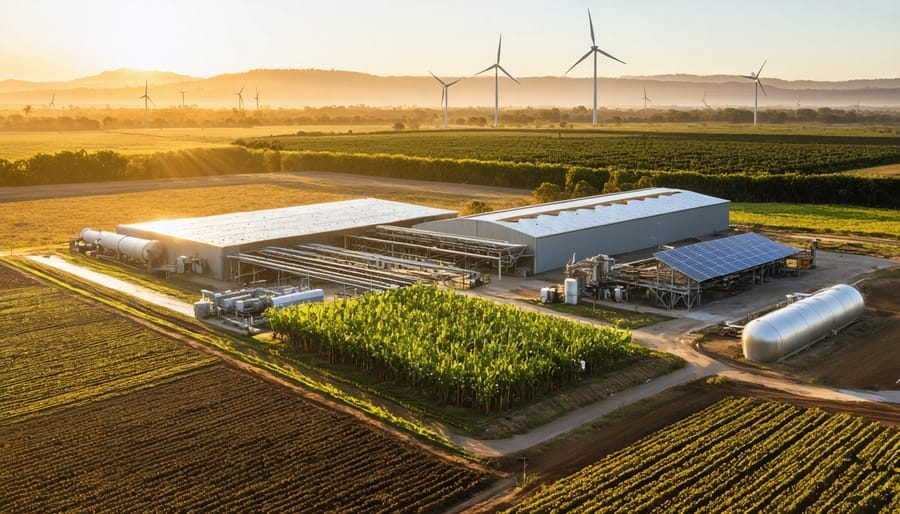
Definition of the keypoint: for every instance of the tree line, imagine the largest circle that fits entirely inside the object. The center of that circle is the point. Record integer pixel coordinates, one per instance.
(75, 118)
(551, 181)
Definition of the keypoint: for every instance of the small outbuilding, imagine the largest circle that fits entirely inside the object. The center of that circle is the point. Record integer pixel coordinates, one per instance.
(608, 224)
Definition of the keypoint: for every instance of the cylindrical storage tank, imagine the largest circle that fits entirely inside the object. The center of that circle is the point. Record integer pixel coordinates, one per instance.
(134, 247)
(571, 291)
(802, 323)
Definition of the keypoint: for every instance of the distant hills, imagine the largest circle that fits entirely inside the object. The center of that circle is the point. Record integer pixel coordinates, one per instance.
(295, 88)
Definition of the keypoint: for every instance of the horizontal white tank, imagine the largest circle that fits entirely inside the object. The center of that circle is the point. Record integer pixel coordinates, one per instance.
(800, 324)
(312, 295)
(134, 247)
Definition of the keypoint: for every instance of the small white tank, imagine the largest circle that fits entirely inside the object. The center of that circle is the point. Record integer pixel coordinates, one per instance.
(571, 291)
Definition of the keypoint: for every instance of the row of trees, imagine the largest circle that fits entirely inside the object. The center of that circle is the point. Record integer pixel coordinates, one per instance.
(552, 181)
(411, 118)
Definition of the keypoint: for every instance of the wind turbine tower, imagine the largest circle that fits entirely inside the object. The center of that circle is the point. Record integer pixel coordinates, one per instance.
(146, 98)
(240, 95)
(182, 98)
(445, 95)
(758, 86)
(594, 50)
(704, 101)
(497, 69)
(52, 104)
(257, 99)
(646, 99)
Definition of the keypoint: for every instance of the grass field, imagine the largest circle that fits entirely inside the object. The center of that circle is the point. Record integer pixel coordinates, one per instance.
(890, 170)
(57, 350)
(836, 219)
(52, 222)
(21, 145)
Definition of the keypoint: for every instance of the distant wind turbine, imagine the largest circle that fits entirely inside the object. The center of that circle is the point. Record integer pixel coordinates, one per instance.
(445, 95)
(182, 98)
(704, 101)
(594, 50)
(758, 86)
(257, 99)
(497, 68)
(646, 99)
(146, 98)
(240, 95)
(52, 103)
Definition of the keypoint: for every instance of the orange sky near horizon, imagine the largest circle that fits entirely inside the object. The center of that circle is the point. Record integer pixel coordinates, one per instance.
(824, 40)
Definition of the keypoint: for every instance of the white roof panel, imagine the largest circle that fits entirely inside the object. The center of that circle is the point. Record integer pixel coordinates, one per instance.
(271, 224)
(582, 213)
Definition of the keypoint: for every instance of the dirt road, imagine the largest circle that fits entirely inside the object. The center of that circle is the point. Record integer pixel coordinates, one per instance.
(320, 181)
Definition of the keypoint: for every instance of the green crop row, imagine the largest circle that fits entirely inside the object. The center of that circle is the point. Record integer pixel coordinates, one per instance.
(674, 151)
(457, 349)
(740, 455)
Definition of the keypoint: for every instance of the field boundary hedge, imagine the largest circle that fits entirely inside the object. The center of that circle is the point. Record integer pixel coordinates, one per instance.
(81, 166)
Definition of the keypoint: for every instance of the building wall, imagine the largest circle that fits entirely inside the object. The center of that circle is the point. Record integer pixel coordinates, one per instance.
(554, 251)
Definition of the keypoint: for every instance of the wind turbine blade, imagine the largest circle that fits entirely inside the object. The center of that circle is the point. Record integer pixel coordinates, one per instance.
(451, 83)
(761, 87)
(507, 74)
(585, 56)
(751, 77)
(500, 42)
(610, 56)
(443, 94)
(761, 67)
(491, 67)
(437, 79)
(591, 22)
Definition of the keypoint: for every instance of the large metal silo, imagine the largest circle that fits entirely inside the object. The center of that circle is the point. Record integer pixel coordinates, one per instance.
(798, 325)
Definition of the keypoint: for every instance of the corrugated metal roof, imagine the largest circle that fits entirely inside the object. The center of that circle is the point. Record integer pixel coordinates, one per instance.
(721, 257)
(271, 224)
(582, 213)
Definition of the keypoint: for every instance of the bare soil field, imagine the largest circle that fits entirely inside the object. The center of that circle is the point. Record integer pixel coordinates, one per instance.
(865, 355)
(220, 440)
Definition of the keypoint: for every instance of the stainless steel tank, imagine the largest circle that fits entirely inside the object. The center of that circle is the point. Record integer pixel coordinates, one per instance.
(134, 247)
(800, 324)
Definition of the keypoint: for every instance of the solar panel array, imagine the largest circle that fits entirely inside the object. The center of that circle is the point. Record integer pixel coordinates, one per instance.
(720, 257)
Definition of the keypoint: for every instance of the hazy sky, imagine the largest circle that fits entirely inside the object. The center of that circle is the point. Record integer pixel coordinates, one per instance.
(802, 39)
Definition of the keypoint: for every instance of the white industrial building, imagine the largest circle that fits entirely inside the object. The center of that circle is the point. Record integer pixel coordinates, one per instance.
(609, 224)
(209, 240)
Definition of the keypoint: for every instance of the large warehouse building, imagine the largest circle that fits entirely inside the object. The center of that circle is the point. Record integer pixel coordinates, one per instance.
(609, 224)
(210, 240)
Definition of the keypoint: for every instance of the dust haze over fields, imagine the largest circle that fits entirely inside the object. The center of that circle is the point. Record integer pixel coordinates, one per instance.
(293, 88)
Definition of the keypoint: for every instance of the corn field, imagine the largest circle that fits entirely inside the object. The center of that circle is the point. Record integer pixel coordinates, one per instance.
(459, 350)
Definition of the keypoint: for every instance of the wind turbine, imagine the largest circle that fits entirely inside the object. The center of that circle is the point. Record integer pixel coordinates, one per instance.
(257, 99)
(240, 96)
(594, 50)
(704, 101)
(146, 98)
(445, 94)
(182, 98)
(52, 103)
(646, 99)
(755, 79)
(497, 68)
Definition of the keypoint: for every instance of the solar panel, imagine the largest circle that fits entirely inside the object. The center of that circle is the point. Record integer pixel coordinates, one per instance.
(720, 257)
